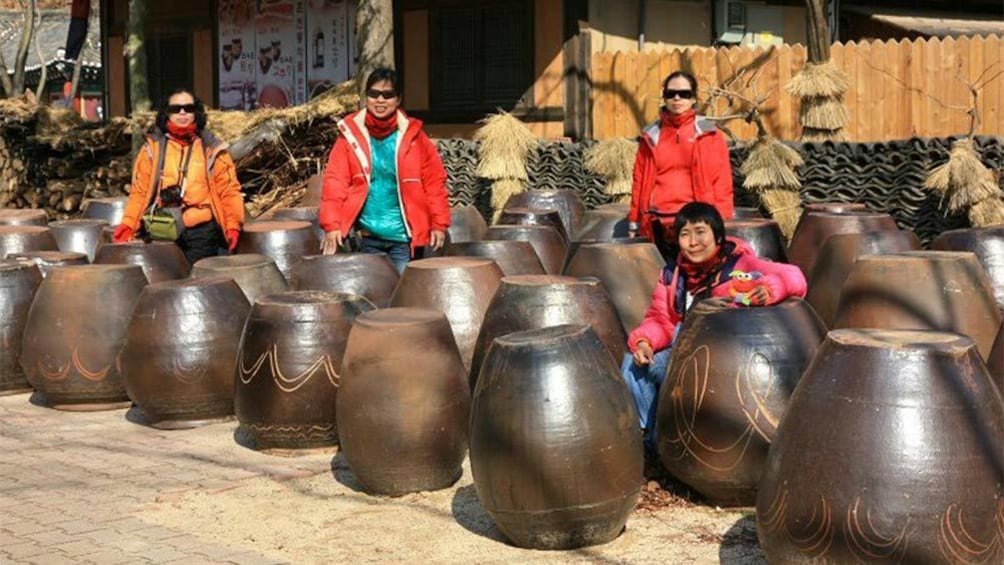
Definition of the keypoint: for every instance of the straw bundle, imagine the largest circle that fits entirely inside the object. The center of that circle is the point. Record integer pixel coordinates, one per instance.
(502, 189)
(770, 173)
(823, 114)
(824, 80)
(968, 185)
(504, 144)
(613, 159)
(821, 88)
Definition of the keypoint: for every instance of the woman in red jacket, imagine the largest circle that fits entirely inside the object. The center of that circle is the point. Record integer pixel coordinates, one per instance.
(681, 158)
(384, 179)
(709, 264)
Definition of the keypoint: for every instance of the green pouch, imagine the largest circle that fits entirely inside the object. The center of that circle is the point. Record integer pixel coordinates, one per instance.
(164, 224)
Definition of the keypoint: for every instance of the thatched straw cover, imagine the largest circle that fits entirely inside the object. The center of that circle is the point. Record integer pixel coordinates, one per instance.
(823, 114)
(505, 143)
(824, 80)
(964, 183)
(613, 159)
(770, 173)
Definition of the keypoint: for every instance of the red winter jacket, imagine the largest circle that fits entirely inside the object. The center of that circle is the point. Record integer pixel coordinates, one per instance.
(711, 174)
(657, 328)
(421, 179)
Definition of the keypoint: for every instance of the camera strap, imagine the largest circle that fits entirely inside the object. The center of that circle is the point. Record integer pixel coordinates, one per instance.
(182, 173)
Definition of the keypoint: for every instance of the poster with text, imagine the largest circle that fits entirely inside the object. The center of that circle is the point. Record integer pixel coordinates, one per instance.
(327, 44)
(276, 53)
(301, 55)
(238, 89)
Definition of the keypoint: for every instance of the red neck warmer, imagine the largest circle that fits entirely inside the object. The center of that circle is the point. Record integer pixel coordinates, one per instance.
(380, 128)
(669, 119)
(699, 275)
(181, 134)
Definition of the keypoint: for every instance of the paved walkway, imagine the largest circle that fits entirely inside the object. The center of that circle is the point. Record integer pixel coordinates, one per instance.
(73, 486)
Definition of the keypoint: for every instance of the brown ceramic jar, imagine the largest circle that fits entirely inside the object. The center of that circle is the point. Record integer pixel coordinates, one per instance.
(288, 367)
(287, 242)
(889, 452)
(763, 235)
(110, 210)
(727, 386)
(555, 449)
(370, 275)
(23, 217)
(532, 302)
(815, 228)
(747, 212)
(837, 258)
(256, 274)
(567, 203)
(315, 188)
(629, 273)
(551, 248)
(921, 290)
(180, 352)
(18, 239)
(988, 245)
(48, 260)
(603, 223)
(161, 260)
(403, 405)
(534, 217)
(996, 361)
(460, 287)
(300, 214)
(466, 224)
(513, 257)
(75, 330)
(18, 282)
(80, 236)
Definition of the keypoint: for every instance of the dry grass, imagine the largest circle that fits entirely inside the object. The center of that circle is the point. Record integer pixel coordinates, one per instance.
(966, 184)
(770, 174)
(824, 80)
(505, 143)
(613, 159)
(501, 191)
(823, 113)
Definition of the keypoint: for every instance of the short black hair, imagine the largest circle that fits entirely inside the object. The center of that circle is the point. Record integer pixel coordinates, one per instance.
(697, 213)
(677, 74)
(381, 74)
(200, 111)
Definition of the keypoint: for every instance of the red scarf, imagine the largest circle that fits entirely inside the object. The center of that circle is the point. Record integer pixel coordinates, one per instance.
(668, 119)
(699, 276)
(380, 128)
(181, 134)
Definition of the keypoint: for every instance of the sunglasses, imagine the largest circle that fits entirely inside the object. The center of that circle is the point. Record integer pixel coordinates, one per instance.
(178, 108)
(385, 94)
(669, 94)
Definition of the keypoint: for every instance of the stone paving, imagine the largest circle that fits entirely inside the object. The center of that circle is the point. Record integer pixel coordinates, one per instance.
(73, 485)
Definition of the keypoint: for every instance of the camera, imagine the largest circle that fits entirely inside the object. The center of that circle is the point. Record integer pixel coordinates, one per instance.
(170, 196)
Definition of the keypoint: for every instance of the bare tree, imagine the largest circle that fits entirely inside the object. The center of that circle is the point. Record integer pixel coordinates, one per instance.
(135, 51)
(375, 38)
(44, 76)
(8, 87)
(21, 59)
(818, 29)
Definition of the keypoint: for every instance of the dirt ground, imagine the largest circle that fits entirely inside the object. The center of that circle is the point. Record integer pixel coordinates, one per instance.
(327, 518)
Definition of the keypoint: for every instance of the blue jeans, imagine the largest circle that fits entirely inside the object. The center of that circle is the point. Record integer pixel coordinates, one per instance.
(398, 252)
(644, 381)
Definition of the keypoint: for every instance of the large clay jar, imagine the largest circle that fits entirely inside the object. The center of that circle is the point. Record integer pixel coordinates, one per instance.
(921, 290)
(565, 201)
(731, 374)
(988, 245)
(403, 405)
(531, 302)
(180, 353)
(75, 330)
(815, 227)
(18, 282)
(513, 257)
(629, 272)
(300, 214)
(17, 239)
(371, 275)
(547, 241)
(255, 274)
(763, 235)
(110, 210)
(555, 449)
(890, 451)
(603, 223)
(837, 258)
(466, 224)
(287, 242)
(574, 246)
(48, 260)
(534, 217)
(996, 361)
(460, 287)
(81, 236)
(23, 217)
(288, 364)
(161, 260)
(747, 212)
(315, 188)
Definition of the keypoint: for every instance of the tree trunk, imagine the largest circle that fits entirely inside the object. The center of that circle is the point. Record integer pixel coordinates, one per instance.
(8, 88)
(375, 38)
(135, 52)
(21, 59)
(40, 89)
(75, 83)
(818, 29)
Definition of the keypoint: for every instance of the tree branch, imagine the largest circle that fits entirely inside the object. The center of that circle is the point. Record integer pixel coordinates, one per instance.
(21, 58)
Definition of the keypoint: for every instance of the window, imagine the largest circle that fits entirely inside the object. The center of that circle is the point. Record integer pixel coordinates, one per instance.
(169, 65)
(481, 55)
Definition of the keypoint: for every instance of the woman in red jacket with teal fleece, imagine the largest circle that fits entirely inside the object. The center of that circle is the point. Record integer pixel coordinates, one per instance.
(384, 178)
(681, 158)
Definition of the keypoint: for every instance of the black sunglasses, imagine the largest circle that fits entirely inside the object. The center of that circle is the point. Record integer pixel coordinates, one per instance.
(385, 94)
(177, 108)
(669, 94)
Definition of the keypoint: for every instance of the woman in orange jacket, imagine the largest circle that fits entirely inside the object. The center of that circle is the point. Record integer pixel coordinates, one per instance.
(182, 165)
(681, 158)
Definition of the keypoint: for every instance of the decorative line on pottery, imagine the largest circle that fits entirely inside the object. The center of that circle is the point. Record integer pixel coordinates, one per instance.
(873, 545)
(959, 546)
(56, 372)
(286, 384)
(304, 431)
(687, 441)
(764, 422)
(816, 534)
(189, 374)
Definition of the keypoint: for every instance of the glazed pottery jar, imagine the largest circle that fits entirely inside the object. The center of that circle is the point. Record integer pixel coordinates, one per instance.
(604, 222)
(988, 245)
(466, 224)
(403, 405)
(81, 236)
(110, 210)
(815, 227)
(565, 201)
(513, 257)
(551, 248)
(18, 239)
(48, 260)
(747, 212)
(996, 361)
(18, 282)
(763, 235)
(255, 274)
(180, 352)
(555, 449)
(534, 217)
(23, 217)
(300, 214)
(371, 275)
(285, 241)
(889, 452)
(161, 260)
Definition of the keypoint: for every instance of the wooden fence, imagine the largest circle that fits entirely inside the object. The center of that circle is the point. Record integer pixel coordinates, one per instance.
(898, 89)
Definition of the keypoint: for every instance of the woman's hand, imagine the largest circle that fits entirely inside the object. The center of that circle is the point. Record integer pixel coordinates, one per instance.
(643, 353)
(436, 239)
(759, 296)
(123, 233)
(332, 241)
